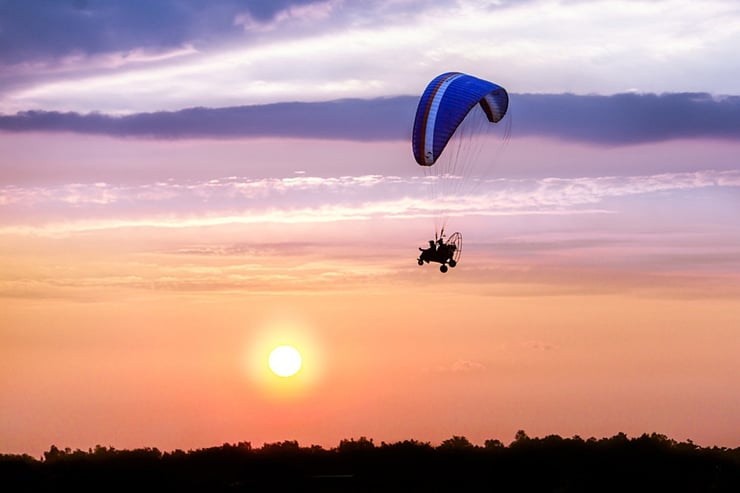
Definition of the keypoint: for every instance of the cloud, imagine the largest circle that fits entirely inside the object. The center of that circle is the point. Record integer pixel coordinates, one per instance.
(537, 345)
(377, 119)
(78, 208)
(500, 195)
(265, 16)
(38, 30)
(126, 57)
(615, 120)
(466, 366)
(457, 367)
(627, 118)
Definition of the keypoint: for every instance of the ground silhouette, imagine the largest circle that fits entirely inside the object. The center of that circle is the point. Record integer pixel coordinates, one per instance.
(652, 463)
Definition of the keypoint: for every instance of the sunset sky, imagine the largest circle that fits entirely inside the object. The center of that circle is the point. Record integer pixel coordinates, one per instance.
(185, 185)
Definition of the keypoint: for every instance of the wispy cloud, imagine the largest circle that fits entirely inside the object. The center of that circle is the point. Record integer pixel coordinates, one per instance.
(457, 367)
(537, 345)
(216, 192)
(266, 271)
(309, 199)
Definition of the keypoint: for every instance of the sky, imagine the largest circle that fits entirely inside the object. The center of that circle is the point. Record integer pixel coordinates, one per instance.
(185, 185)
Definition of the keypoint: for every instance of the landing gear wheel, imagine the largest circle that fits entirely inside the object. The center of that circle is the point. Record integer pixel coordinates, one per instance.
(443, 268)
(421, 262)
(453, 263)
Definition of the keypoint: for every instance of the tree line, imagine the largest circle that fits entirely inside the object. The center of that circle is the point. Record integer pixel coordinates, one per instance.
(651, 462)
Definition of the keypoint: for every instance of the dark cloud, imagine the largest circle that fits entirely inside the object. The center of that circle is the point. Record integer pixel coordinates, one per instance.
(618, 119)
(627, 118)
(375, 119)
(46, 29)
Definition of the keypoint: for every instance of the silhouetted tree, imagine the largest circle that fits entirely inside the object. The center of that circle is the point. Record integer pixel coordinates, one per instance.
(408, 445)
(521, 437)
(456, 443)
(289, 446)
(352, 445)
(650, 462)
(493, 443)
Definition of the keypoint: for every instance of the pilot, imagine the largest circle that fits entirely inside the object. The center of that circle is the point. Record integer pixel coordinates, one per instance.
(428, 253)
(443, 250)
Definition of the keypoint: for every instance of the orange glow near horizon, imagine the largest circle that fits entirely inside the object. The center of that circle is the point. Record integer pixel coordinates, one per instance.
(621, 316)
(179, 368)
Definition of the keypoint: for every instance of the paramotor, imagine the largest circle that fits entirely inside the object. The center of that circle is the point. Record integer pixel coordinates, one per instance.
(454, 141)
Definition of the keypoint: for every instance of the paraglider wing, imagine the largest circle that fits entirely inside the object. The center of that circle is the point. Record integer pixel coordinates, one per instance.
(443, 106)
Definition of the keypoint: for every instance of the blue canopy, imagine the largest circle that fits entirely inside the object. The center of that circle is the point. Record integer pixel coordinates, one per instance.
(443, 106)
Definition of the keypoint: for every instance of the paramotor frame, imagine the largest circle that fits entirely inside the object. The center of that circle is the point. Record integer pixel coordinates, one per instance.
(443, 252)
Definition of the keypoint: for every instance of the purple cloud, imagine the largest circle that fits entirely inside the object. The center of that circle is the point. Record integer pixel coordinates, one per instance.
(614, 120)
(46, 29)
(627, 118)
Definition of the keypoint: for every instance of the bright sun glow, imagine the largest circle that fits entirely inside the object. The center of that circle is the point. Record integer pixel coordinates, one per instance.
(285, 361)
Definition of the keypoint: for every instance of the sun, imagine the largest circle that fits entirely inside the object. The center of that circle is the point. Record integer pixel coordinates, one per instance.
(285, 361)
